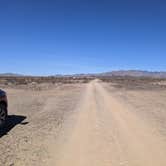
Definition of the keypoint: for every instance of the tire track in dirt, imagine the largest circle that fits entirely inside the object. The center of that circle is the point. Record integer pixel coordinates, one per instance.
(104, 133)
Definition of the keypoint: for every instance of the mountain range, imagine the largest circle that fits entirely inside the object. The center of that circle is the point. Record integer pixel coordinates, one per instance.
(132, 73)
(136, 73)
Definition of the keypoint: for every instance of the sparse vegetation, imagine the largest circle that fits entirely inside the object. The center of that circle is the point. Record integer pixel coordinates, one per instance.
(38, 83)
(129, 82)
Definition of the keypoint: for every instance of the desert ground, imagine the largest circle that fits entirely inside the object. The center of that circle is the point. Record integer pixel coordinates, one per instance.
(99, 122)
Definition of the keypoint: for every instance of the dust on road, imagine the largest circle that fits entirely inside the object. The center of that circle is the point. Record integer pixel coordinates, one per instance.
(80, 125)
(106, 133)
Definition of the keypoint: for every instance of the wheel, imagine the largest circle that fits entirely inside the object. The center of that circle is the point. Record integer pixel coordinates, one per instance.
(3, 115)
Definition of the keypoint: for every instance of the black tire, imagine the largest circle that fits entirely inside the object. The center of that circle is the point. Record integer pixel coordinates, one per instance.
(3, 115)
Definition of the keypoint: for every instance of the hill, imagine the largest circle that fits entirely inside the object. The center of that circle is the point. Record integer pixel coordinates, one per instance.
(135, 73)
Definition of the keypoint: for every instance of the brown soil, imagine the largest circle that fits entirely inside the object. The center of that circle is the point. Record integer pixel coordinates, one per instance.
(94, 124)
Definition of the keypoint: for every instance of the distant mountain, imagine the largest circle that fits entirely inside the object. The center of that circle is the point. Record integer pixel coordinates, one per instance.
(132, 73)
(136, 73)
(10, 74)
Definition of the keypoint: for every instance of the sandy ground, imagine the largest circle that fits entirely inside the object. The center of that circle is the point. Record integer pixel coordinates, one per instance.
(35, 116)
(85, 125)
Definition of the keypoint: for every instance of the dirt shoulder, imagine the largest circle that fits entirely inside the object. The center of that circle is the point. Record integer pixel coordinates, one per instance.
(148, 103)
(35, 115)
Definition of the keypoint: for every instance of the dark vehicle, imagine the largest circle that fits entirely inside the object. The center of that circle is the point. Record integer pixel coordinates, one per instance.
(3, 108)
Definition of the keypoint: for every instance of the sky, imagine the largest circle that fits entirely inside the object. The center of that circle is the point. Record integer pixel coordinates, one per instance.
(47, 37)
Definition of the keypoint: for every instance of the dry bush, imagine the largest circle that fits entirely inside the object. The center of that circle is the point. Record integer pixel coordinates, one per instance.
(38, 83)
(143, 83)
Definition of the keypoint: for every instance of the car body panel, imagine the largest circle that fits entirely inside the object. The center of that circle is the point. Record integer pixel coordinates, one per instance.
(3, 98)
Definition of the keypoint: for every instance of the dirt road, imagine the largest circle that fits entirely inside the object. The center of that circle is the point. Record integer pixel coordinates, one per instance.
(103, 133)
(83, 125)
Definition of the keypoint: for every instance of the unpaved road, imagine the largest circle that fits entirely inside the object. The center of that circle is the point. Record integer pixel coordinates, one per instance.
(106, 133)
(81, 125)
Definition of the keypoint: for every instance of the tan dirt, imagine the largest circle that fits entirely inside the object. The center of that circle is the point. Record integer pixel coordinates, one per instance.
(106, 133)
(34, 117)
(84, 125)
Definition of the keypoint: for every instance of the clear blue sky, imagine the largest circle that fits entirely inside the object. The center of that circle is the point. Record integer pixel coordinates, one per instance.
(43, 37)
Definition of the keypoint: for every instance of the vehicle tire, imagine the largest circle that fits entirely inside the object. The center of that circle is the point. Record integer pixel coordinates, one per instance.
(3, 115)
